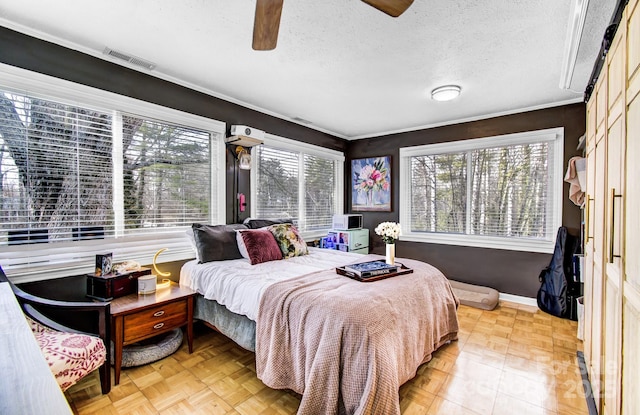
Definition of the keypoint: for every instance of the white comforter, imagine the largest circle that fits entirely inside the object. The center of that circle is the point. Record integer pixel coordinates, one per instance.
(238, 285)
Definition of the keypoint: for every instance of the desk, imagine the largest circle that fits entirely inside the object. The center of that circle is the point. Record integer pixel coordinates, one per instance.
(27, 386)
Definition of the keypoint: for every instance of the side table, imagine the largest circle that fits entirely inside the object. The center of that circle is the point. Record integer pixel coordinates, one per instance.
(137, 317)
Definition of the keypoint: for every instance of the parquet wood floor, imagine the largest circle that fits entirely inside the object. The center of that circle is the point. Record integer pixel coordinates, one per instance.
(512, 360)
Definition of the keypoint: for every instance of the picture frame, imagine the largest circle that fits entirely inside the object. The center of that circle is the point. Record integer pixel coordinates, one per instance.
(371, 184)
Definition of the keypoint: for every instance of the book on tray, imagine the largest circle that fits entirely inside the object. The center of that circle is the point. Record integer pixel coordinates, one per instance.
(371, 268)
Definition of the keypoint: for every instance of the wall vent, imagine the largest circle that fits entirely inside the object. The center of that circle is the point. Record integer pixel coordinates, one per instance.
(129, 58)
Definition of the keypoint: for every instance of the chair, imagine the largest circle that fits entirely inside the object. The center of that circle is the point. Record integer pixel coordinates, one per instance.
(71, 354)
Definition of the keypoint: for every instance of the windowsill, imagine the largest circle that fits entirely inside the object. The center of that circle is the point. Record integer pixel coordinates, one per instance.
(27, 263)
(476, 241)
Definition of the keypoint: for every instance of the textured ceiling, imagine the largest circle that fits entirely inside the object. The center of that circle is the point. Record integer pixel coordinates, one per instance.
(347, 68)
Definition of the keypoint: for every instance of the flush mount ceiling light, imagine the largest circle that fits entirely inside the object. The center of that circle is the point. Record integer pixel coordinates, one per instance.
(446, 92)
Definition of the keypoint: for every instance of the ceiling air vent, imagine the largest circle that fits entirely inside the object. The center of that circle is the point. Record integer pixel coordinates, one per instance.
(301, 120)
(130, 58)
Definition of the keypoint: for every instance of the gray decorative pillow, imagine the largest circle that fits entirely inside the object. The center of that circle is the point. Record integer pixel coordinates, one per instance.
(261, 223)
(216, 242)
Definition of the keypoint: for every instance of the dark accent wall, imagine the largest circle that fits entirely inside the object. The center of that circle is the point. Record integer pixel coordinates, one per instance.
(36, 55)
(512, 272)
(509, 271)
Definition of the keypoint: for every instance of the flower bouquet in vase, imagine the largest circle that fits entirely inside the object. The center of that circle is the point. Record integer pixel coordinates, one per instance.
(390, 232)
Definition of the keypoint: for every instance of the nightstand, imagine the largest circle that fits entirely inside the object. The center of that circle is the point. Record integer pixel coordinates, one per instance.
(138, 317)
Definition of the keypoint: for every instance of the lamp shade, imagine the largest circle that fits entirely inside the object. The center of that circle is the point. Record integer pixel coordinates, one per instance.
(244, 161)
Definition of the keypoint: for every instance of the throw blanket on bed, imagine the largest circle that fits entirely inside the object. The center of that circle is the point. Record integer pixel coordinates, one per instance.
(348, 346)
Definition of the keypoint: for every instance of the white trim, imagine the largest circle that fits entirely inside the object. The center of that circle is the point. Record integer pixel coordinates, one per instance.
(49, 87)
(469, 119)
(284, 143)
(526, 137)
(556, 135)
(157, 74)
(479, 241)
(25, 263)
(572, 42)
(219, 179)
(518, 299)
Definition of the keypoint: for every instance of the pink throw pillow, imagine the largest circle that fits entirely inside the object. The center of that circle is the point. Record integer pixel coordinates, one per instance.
(259, 244)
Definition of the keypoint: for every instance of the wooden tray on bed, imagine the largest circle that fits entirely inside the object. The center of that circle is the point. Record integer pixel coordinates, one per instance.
(403, 270)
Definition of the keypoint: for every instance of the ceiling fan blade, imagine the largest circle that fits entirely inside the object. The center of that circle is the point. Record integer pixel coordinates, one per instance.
(266, 24)
(391, 7)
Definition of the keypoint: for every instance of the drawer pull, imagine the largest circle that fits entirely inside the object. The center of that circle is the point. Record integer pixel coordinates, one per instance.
(158, 313)
(158, 326)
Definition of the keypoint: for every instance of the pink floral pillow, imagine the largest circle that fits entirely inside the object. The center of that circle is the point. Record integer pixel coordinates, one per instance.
(258, 245)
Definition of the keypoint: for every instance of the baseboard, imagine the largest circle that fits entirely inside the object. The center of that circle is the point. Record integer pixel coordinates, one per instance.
(518, 299)
(591, 402)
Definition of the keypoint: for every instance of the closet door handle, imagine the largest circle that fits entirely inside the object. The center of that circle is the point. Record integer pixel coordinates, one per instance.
(587, 218)
(614, 196)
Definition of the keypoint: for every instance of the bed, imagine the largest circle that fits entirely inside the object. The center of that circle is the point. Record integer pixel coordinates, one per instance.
(345, 346)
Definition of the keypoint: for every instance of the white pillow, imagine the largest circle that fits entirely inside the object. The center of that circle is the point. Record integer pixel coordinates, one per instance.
(192, 242)
(241, 246)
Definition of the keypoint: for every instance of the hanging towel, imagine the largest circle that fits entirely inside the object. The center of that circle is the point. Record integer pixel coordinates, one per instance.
(575, 176)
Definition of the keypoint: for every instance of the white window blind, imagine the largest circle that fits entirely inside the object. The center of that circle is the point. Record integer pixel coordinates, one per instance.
(85, 172)
(56, 170)
(501, 192)
(165, 175)
(298, 181)
(278, 184)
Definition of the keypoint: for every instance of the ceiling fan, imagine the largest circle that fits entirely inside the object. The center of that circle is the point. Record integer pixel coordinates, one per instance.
(268, 12)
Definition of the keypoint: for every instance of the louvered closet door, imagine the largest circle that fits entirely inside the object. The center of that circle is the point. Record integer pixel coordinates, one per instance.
(631, 261)
(612, 295)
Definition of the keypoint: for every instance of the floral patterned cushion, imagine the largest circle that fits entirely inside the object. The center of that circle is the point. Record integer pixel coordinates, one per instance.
(290, 242)
(70, 356)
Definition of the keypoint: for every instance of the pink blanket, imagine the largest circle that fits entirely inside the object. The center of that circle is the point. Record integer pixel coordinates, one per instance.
(347, 346)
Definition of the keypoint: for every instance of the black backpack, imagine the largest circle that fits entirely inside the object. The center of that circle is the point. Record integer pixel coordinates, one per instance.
(557, 287)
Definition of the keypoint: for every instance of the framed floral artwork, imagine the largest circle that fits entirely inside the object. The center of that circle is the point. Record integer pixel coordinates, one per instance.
(371, 184)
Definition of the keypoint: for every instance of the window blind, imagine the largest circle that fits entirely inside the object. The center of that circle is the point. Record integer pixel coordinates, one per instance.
(56, 170)
(278, 184)
(166, 172)
(63, 148)
(298, 181)
(438, 185)
(319, 192)
(500, 192)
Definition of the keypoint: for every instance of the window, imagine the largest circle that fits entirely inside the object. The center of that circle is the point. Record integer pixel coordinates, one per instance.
(85, 172)
(297, 181)
(498, 192)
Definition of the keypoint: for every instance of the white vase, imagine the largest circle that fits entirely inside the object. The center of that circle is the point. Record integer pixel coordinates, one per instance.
(391, 254)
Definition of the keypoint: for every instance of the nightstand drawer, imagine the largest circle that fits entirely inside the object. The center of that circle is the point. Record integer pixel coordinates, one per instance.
(155, 320)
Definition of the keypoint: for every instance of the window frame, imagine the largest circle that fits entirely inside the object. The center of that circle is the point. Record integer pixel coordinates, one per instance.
(553, 135)
(287, 144)
(32, 262)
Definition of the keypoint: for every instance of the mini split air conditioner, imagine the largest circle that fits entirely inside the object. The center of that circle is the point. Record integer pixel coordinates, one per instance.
(244, 136)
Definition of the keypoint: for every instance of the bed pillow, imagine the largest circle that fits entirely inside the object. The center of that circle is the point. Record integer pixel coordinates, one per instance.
(192, 243)
(216, 242)
(289, 240)
(258, 245)
(262, 223)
